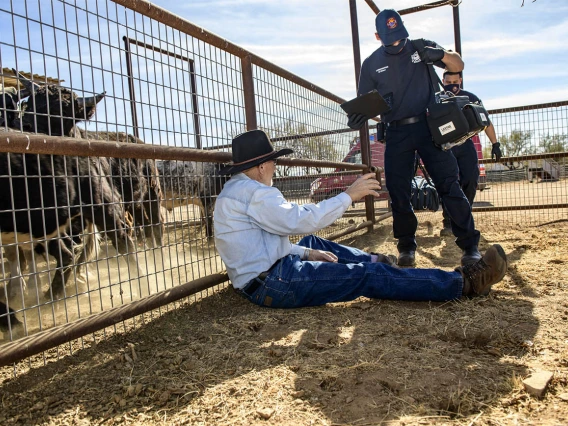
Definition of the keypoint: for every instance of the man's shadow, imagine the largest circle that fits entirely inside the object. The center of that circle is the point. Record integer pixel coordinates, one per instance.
(222, 356)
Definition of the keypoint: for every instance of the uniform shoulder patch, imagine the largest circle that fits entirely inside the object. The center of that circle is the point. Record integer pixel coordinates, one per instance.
(415, 57)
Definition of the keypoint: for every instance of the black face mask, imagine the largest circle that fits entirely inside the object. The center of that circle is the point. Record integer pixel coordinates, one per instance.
(395, 50)
(454, 88)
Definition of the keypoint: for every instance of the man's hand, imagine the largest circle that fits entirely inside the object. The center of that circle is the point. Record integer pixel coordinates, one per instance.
(496, 151)
(322, 256)
(365, 185)
(432, 54)
(356, 121)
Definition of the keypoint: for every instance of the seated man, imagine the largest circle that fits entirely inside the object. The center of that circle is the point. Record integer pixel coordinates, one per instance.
(253, 222)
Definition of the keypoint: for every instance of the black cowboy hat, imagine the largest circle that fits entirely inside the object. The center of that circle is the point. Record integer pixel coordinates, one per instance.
(251, 149)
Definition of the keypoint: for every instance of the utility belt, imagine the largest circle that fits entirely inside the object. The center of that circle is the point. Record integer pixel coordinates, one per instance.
(381, 127)
(406, 121)
(454, 119)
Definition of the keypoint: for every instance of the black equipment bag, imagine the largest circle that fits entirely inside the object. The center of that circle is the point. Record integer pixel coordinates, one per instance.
(476, 116)
(423, 194)
(446, 121)
(452, 119)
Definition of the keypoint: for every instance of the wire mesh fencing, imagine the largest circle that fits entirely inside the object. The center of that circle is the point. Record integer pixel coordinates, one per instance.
(528, 187)
(88, 228)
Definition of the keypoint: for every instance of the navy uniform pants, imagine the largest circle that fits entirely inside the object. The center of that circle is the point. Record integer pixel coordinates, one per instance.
(466, 156)
(401, 144)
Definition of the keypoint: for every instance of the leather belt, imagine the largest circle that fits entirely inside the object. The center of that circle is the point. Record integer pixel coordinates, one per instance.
(254, 284)
(406, 121)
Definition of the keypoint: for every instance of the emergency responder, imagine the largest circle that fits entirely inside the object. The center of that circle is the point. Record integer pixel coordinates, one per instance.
(466, 153)
(398, 71)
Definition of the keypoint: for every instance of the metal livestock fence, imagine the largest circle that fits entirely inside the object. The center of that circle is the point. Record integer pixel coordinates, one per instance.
(115, 117)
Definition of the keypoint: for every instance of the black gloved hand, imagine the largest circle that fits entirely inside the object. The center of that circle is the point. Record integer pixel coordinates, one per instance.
(356, 121)
(496, 151)
(432, 54)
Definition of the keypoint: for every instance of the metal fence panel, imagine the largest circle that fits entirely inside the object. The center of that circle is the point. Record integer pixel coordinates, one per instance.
(97, 230)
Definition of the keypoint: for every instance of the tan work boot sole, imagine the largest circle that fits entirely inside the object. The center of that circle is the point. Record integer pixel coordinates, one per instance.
(496, 261)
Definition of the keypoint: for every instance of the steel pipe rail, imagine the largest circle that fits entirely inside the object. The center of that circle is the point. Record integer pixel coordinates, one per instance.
(525, 207)
(354, 228)
(427, 6)
(367, 224)
(527, 107)
(44, 340)
(525, 157)
(20, 143)
(373, 6)
(311, 135)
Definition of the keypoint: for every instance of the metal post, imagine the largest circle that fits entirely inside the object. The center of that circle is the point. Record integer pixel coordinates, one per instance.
(131, 85)
(248, 88)
(457, 33)
(364, 132)
(195, 105)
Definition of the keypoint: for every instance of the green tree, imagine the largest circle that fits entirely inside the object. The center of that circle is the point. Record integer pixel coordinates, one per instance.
(517, 143)
(313, 147)
(554, 143)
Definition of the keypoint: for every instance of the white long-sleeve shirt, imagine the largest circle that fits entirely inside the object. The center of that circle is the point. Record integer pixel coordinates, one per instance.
(253, 223)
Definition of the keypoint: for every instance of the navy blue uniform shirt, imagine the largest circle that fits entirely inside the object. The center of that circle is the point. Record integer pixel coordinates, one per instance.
(402, 79)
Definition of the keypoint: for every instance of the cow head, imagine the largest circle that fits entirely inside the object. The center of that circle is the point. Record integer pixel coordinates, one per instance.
(54, 110)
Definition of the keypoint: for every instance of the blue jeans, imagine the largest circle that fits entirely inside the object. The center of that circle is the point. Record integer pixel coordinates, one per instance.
(402, 144)
(293, 283)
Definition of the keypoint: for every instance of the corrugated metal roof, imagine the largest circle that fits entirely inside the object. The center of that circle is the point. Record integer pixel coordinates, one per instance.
(10, 80)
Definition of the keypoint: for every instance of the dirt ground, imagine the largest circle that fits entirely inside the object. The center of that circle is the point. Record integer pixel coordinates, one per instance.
(221, 360)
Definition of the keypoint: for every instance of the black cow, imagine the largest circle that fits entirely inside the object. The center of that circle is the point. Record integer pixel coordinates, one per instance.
(194, 182)
(138, 183)
(53, 110)
(41, 194)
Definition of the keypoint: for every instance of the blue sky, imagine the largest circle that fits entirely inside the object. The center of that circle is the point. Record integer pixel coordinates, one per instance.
(514, 55)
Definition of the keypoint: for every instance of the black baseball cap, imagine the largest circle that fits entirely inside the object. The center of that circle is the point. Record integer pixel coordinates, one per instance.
(390, 27)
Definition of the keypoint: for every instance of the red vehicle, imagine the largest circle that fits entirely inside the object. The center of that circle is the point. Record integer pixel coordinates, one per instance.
(329, 186)
(481, 184)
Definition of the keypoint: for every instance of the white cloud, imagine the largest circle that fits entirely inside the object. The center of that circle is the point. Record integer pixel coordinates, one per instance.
(500, 40)
(527, 98)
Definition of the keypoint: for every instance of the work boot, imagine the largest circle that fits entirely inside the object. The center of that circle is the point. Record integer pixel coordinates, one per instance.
(470, 255)
(406, 258)
(478, 277)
